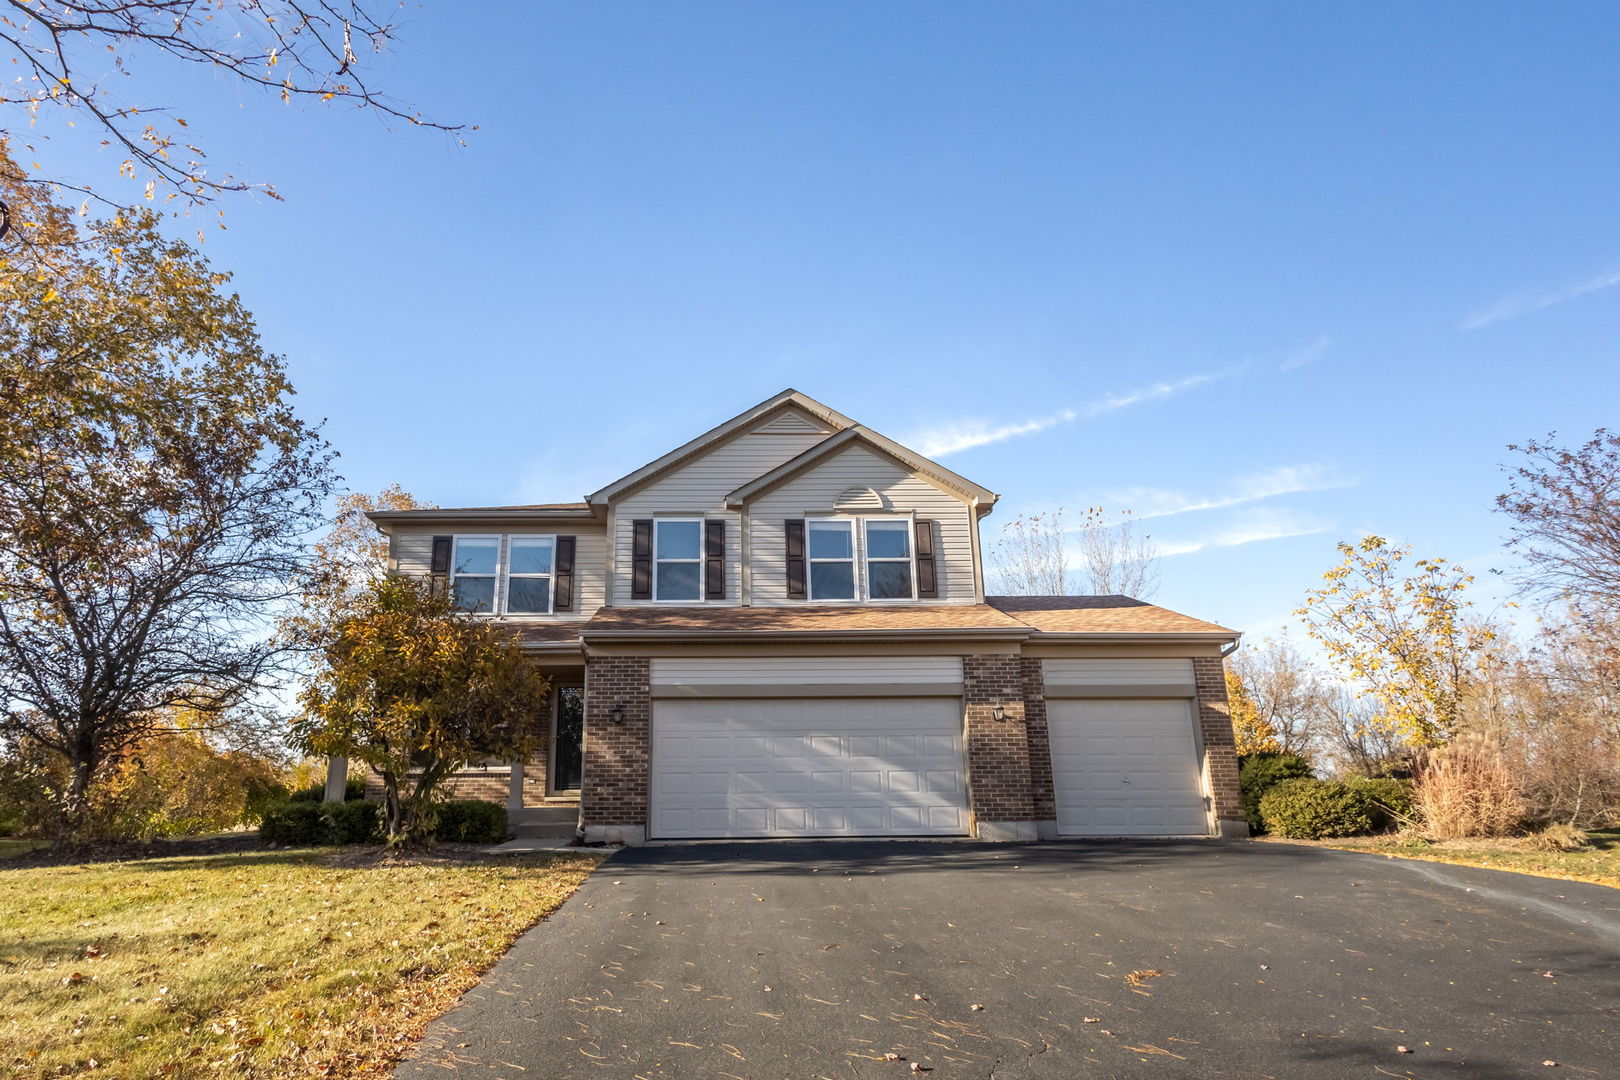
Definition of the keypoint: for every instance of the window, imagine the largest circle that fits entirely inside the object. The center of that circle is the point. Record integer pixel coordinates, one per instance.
(472, 572)
(832, 559)
(888, 559)
(677, 558)
(529, 561)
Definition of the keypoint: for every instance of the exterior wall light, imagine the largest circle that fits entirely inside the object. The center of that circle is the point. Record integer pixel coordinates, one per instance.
(999, 712)
(616, 714)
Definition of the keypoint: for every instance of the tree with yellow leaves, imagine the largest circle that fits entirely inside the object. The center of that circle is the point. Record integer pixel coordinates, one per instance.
(1405, 635)
(414, 688)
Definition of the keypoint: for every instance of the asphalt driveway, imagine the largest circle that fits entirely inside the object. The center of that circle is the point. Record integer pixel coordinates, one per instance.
(1194, 960)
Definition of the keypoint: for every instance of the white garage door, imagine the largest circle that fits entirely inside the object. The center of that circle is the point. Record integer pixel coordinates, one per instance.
(808, 767)
(1126, 768)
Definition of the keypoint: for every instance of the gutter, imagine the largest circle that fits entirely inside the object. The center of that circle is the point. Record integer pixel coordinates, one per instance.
(936, 634)
(405, 517)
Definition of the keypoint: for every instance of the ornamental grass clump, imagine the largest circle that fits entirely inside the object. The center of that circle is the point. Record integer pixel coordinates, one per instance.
(1469, 789)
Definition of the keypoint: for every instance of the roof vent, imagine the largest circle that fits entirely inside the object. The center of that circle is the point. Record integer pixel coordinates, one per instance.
(860, 498)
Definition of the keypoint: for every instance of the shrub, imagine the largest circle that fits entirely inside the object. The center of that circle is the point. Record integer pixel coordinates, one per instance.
(353, 791)
(357, 822)
(1394, 800)
(1258, 773)
(1314, 809)
(1560, 837)
(1469, 789)
(298, 823)
(466, 821)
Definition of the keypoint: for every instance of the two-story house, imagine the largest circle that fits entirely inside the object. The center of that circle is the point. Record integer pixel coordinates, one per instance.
(780, 629)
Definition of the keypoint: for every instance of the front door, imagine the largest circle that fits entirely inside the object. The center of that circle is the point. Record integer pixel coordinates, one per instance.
(567, 734)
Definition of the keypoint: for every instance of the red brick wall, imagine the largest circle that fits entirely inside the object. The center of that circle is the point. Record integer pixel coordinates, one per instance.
(998, 752)
(1042, 797)
(1220, 748)
(484, 787)
(617, 756)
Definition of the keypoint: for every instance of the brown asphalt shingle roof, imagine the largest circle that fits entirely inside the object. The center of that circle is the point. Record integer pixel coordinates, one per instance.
(800, 619)
(566, 633)
(1100, 615)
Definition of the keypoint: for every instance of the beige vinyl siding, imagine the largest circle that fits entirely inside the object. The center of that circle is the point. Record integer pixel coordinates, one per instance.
(853, 676)
(699, 488)
(411, 552)
(1138, 677)
(818, 489)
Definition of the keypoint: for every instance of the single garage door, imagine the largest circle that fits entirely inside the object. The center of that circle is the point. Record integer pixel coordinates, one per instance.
(1126, 768)
(808, 767)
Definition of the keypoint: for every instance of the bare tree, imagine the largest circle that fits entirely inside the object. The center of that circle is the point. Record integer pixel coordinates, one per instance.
(1116, 557)
(1288, 693)
(68, 55)
(1030, 558)
(1565, 504)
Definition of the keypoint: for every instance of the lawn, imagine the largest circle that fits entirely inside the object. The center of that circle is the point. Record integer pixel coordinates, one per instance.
(261, 963)
(1598, 862)
(10, 846)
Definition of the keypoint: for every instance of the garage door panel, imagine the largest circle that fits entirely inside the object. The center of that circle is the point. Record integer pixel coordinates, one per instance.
(1126, 768)
(836, 767)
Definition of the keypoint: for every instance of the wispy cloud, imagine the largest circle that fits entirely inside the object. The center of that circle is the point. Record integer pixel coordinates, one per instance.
(1282, 480)
(1251, 527)
(1524, 305)
(1301, 357)
(940, 441)
(966, 434)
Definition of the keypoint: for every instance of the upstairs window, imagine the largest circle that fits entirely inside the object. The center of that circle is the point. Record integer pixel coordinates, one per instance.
(888, 559)
(530, 562)
(677, 558)
(472, 572)
(832, 559)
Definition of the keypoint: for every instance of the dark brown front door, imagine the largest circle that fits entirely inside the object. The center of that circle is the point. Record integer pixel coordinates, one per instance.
(565, 755)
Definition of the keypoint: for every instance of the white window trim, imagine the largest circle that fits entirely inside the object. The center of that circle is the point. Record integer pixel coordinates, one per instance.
(910, 524)
(854, 560)
(494, 575)
(658, 523)
(550, 575)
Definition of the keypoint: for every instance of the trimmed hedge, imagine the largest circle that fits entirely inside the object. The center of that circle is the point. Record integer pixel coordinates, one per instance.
(302, 823)
(353, 791)
(1393, 799)
(1316, 809)
(1259, 773)
(299, 824)
(467, 821)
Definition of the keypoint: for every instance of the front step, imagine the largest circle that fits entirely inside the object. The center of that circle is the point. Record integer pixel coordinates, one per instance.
(536, 822)
(538, 832)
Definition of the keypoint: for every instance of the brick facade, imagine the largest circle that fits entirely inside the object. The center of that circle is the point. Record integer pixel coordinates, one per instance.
(998, 751)
(484, 787)
(1042, 795)
(1220, 748)
(617, 756)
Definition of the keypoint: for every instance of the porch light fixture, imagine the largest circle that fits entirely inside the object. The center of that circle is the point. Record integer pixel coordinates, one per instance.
(999, 712)
(616, 714)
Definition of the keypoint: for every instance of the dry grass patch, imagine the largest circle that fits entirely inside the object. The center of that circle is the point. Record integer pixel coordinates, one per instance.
(1598, 861)
(258, 964)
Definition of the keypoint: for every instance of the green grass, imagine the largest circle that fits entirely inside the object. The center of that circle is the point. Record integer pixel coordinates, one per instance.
(257, 964)
(1598, 862)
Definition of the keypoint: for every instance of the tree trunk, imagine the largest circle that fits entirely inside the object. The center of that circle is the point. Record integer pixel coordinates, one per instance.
(76, 805)
(392, 810)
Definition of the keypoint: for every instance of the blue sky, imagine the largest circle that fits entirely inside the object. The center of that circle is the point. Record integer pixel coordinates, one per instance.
(1280, 274)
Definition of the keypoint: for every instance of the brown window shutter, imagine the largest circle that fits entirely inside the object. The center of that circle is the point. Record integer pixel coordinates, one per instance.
(927, 575)
(714, 560)
(439, 568)
(795, 559)
(641, 560)
(562, 579)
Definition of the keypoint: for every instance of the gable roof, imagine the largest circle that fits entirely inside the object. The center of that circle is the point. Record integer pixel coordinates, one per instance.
(929, 470)
(775, 403)
(1103, 615)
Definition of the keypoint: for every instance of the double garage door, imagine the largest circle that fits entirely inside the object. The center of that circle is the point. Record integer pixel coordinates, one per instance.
(884, 766)
(876, 764)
